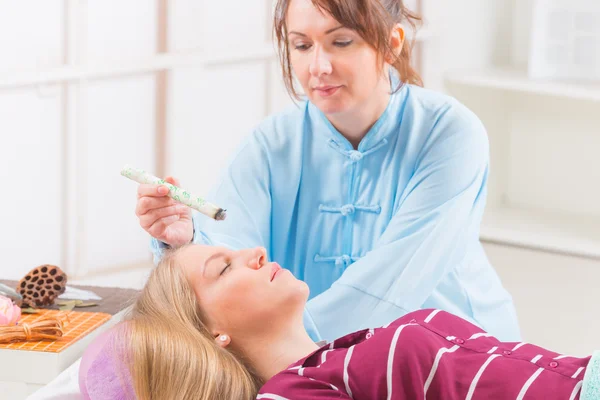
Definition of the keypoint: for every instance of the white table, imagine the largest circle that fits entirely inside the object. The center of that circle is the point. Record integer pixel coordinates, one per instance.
(23, 372)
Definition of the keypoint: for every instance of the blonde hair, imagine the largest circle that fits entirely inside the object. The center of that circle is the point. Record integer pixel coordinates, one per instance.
(172, 354)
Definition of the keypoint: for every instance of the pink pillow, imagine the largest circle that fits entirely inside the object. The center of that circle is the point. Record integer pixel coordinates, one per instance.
(102, 374)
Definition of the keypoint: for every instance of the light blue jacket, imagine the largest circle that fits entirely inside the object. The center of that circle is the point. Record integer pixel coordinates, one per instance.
(375, 232)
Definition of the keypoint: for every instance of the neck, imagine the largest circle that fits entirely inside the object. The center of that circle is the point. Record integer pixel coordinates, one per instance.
(271, 354)
(355, 123)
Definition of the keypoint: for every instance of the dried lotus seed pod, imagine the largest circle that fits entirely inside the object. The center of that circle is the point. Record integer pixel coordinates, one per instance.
(42, 285)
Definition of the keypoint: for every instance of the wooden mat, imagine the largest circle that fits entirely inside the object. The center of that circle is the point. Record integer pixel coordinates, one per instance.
(77, 325)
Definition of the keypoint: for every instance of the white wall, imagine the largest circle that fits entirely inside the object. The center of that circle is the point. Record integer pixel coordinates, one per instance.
(556, 297)
(80, 96)
(78, 99)
(541, 229)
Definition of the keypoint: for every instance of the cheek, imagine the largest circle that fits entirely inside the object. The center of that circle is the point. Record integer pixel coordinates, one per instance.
(366, 78)
(366, 62)
(301, 68)
(232, 302)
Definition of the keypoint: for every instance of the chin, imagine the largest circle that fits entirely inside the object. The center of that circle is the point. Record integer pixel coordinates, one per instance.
(305, 290)
(298, 294)
(331, 106)
(333, 110)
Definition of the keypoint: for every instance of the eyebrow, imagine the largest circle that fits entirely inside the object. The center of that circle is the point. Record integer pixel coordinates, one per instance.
(209, 259)
(327, 32)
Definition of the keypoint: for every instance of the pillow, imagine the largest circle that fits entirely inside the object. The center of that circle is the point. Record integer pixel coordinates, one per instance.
(102, 373)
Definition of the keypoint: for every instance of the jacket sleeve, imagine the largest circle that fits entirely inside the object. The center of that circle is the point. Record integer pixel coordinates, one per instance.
(244, 192)
(437, 219)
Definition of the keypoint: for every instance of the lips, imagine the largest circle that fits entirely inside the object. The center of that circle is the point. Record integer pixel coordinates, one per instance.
(327, 90)
(325, 87)
(275, 268)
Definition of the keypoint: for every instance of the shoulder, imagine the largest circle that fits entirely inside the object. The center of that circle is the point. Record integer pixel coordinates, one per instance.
(282, 126)
(444, 121)
(442, 110)
(272, 135)
(434, 103)
(288, 384)
(439, 320)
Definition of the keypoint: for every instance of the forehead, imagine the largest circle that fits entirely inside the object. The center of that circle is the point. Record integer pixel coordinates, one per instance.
(193, 258)
(194, 253)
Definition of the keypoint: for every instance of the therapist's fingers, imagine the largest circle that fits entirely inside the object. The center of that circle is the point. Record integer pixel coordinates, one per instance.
(152, 216)
(174, 230)
(145, 189)
(147, 203)
(173, 181)
(159, 227)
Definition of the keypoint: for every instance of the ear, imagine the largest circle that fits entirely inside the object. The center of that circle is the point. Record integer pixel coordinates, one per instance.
(396, 40)
(222, 339)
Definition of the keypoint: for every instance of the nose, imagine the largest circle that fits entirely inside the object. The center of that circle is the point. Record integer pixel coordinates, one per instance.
(257, 257)
(320, 63)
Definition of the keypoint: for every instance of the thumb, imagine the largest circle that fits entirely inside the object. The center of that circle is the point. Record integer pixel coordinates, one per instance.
(173, 181)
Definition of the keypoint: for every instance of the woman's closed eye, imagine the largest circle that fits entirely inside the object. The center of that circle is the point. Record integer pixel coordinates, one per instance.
(227, 267)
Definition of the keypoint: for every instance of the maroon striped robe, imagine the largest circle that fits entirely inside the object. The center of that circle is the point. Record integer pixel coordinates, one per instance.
(428, 354)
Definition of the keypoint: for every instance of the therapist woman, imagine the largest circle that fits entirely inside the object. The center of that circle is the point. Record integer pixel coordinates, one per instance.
(371, 190)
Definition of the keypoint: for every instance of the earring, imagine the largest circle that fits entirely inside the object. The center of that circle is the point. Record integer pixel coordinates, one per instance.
(223, 338)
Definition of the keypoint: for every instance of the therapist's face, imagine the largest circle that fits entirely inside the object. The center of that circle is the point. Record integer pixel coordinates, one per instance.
(338, 70)
(240, 292)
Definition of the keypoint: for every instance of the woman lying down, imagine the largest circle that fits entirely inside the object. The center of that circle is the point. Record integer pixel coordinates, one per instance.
(217, 324)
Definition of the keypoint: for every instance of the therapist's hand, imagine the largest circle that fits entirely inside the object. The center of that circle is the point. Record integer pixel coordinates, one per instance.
(162, 217)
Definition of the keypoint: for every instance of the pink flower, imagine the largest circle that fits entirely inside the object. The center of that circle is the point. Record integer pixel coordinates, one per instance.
(10, 313)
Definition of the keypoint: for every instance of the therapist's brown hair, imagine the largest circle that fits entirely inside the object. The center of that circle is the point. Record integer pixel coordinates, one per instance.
(373, 20)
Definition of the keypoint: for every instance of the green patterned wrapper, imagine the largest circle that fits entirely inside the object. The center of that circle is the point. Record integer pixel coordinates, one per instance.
(176, 193)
